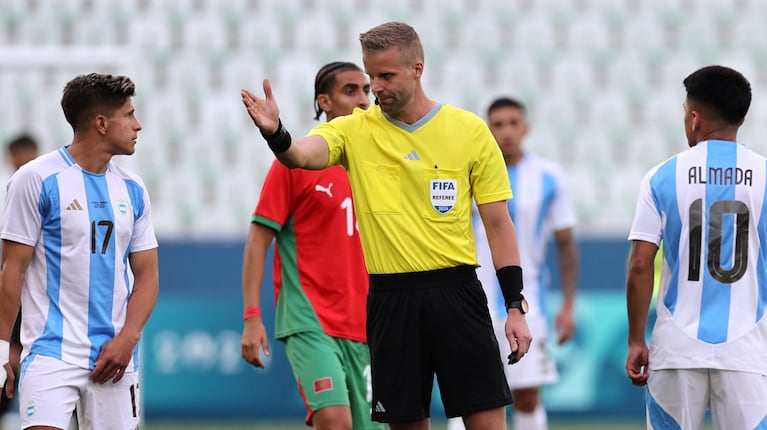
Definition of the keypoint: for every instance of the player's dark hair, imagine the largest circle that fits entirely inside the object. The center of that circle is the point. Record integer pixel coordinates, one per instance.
(22, 142)
(326, 78)
(92, 94)
(502, 102)
(723, 90)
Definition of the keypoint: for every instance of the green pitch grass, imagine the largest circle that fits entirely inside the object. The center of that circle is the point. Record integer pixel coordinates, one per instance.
(582, 425)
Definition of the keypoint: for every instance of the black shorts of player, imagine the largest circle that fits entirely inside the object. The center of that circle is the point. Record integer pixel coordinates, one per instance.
(425, 323)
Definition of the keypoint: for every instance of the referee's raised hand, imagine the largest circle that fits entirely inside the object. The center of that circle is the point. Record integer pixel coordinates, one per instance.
(263, 111)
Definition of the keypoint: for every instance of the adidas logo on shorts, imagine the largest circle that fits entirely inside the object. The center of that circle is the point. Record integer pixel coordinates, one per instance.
(380, 407)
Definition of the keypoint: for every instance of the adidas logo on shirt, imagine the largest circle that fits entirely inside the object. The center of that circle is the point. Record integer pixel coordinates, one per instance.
(74, 206)
(412, 156)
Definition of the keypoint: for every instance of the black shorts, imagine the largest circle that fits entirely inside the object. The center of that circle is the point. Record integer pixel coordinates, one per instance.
(426, 323)
(15, 340)
(16, 332)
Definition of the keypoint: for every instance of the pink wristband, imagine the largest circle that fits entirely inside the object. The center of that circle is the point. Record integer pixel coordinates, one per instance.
(250, 312)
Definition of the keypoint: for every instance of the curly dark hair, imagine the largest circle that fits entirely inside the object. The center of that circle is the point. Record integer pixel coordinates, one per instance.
(724, 91)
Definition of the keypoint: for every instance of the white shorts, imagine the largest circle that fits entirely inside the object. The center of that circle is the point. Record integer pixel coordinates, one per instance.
(49, 390)
(679, 398)
(537, 367)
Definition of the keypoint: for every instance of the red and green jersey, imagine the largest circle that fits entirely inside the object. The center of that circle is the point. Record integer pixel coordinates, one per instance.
(320, 280)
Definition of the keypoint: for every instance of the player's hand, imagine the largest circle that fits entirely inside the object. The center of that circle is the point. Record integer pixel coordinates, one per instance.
(518, 333)
(263, 111)
(253, 340)
(8, 378)
(112, 360)
(564, 324)
(637, 360)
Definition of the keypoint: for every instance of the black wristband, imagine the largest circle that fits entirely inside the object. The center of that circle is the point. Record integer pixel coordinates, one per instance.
(279, 141)
(510, 279)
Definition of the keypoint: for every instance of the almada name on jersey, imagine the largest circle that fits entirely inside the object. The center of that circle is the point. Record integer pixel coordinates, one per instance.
(719, 175)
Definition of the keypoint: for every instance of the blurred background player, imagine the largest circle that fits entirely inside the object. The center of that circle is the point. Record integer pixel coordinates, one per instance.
(541, 205)
(20, 150)
(707, 204)
(320, 279)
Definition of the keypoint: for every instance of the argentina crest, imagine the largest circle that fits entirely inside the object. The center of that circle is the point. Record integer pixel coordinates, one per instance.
(443, 194)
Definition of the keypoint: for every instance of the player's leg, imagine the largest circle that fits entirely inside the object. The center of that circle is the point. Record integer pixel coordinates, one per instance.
(467, 357)
(356, 360)
(527, 376)
(677, 398)
(316, 360)
(738, 400)
(110, 405)
(48, 391)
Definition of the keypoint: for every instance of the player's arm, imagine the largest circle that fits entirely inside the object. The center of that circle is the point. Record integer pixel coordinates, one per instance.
(502, 239)
(116, 354)
(16, 258)
(567, 252)
(310, 152)
(254, 336)
(639, 288)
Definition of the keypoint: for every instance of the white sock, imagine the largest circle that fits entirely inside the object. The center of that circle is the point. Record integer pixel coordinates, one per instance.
(535, 420)
(455, 424)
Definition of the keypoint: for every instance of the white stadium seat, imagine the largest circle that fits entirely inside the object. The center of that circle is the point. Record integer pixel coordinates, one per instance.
(602, 80)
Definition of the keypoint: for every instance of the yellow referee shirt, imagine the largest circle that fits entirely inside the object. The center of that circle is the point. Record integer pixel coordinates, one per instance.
(413, 184)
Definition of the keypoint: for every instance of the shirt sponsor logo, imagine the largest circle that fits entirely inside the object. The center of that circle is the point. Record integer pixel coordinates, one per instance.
(443, 194)
(323, 384)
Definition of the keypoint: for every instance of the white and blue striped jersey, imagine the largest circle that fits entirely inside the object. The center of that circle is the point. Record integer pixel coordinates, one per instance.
(541, 205)
(707, 205)
(83, 226)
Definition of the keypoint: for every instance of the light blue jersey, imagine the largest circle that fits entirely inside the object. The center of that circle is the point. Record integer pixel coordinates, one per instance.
(83, 227)
(541, 205)
(707, 205)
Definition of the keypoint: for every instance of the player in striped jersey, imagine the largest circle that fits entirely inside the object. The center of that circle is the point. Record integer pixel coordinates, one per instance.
(541, 206)
(75, 226)
(320, 280)
(707, 204)
(21, 150)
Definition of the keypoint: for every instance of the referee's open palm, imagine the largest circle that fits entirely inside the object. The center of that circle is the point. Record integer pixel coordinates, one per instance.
(263, 111)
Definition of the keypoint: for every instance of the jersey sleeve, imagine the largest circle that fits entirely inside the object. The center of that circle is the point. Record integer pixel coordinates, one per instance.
(276, 201)
(562, 214)
(24, 204)
(143, 236)
(488, 176)
(336, 137)
(647, 225)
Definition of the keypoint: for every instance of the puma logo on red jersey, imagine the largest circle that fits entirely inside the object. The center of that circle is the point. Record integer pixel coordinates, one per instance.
(327, 191)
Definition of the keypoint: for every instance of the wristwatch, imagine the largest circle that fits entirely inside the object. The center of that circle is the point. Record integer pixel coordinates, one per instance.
(519, 304)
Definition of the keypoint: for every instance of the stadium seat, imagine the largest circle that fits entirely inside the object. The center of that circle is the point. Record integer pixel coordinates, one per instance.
(602, 79)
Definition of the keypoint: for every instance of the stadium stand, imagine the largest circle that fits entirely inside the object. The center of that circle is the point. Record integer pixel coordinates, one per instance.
(602, 79)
